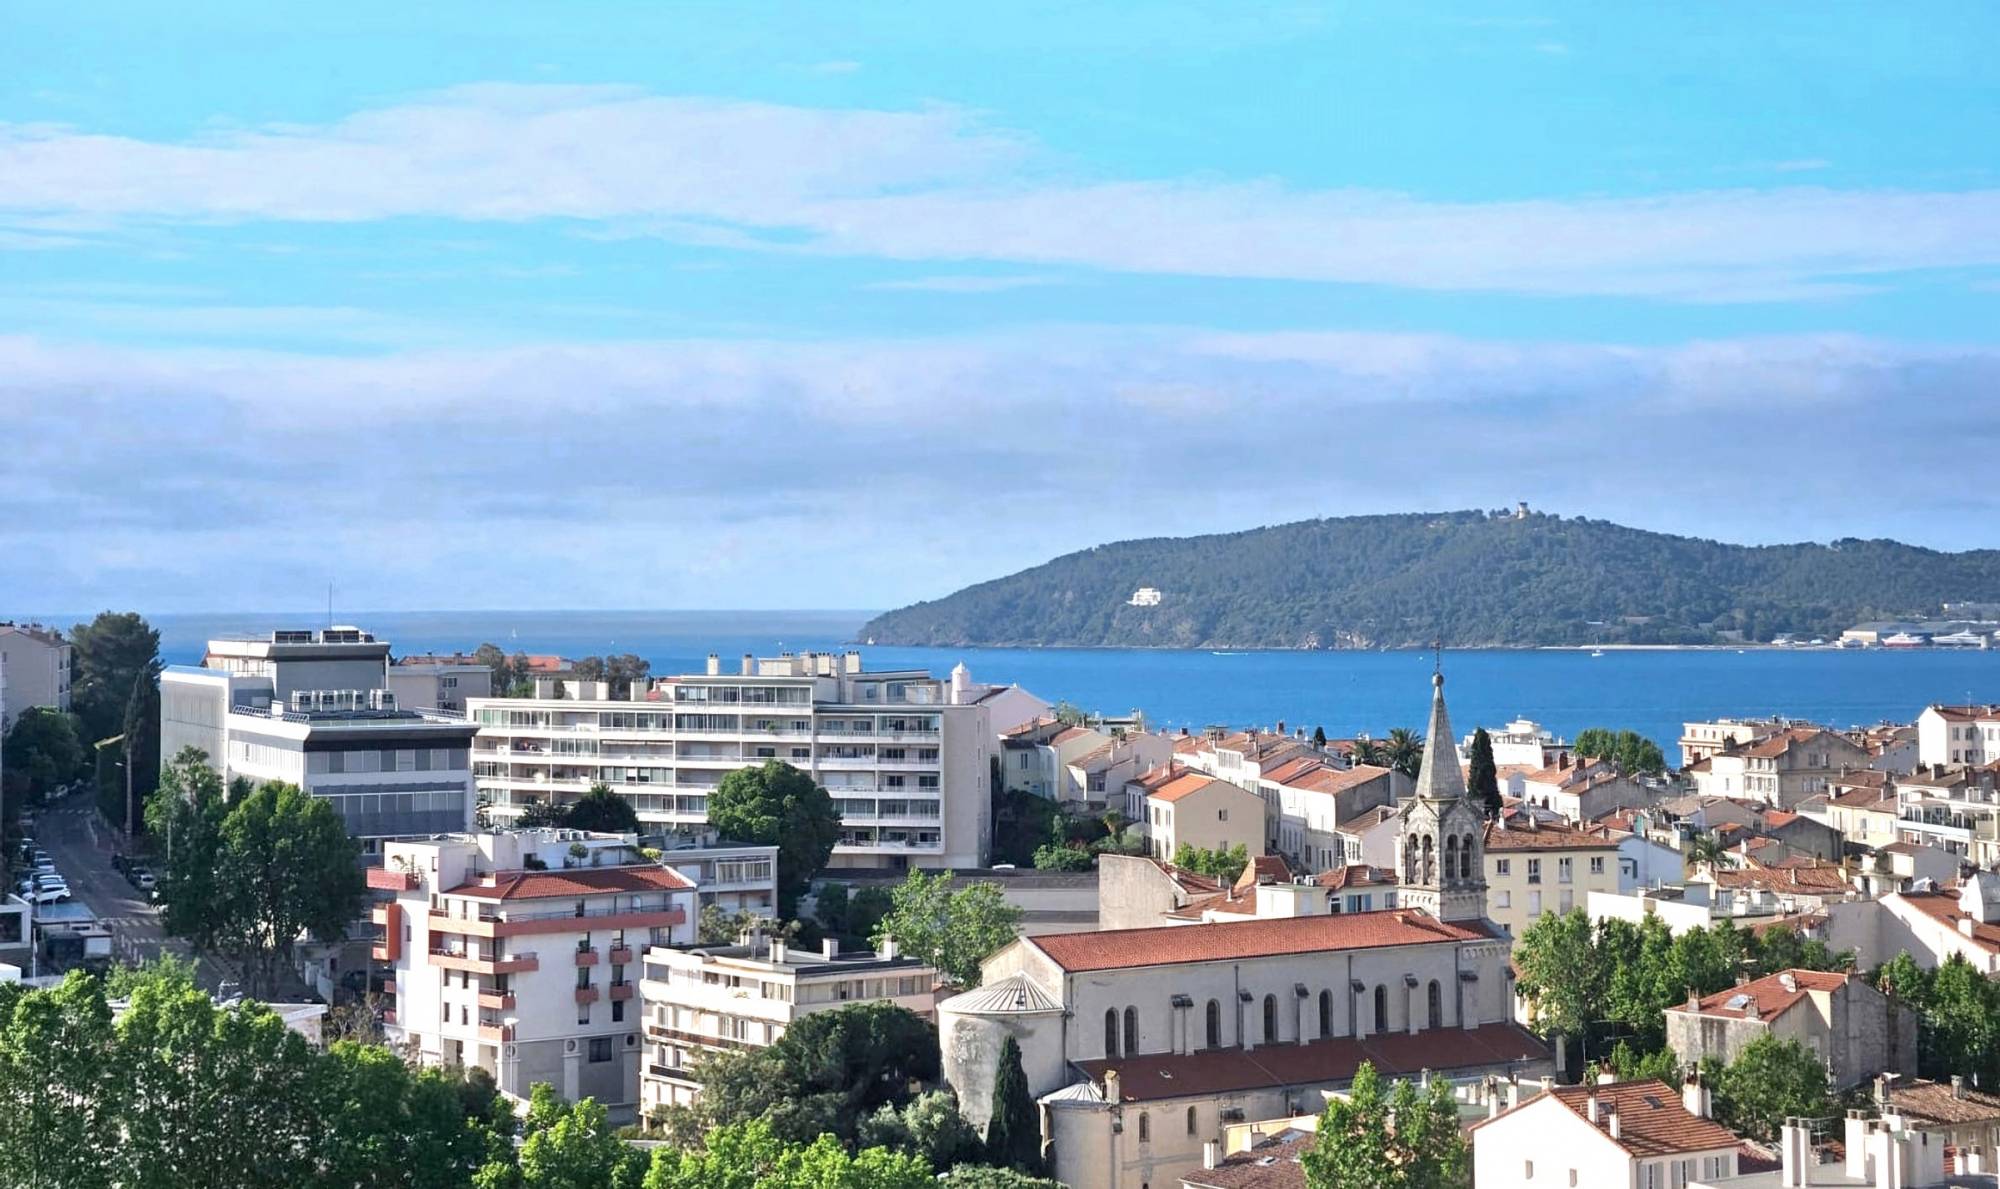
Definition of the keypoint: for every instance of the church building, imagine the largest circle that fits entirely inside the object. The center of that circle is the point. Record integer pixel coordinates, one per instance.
(1143, 1044)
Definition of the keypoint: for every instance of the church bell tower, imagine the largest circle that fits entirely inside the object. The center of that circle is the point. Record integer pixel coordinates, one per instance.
(1441, 849)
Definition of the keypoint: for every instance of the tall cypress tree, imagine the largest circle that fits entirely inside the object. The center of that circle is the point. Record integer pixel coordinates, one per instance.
(1014, 1133)
(1482, 780)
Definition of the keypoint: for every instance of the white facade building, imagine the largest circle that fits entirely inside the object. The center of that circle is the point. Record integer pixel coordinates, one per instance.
(1958, 735)
(519, 953)
(728, 998)
(908, 768)
(312, 708)
(37, 663)
(1617, 1135)
(439, 685)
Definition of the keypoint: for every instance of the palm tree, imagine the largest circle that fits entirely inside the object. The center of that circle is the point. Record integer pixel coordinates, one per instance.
(1707, 848)
(1404, 750)
(1366, 751)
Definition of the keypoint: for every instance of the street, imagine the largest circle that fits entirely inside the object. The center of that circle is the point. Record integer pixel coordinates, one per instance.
(82, 845)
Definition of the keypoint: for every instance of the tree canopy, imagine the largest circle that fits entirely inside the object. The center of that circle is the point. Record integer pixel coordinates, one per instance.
(1388, 1138)
(1216, 862)
(42, 751)
(602, 810)
(1772, 1078)
(1630, 750)
(951, 927)
(1958, 1016)
(1482, 778)
(777, 803)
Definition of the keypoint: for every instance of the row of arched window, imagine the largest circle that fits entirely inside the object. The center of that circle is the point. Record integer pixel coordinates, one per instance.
(1121, 1030)
(1420, 858)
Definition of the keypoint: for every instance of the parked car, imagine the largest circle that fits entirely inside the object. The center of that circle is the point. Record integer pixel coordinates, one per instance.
(144, 880)
(47, 896)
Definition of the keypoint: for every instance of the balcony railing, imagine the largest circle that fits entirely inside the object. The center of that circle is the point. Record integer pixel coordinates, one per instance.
(497, 1033)
(586, 957)
(587, 995)
(384, 879)
(509, 964)
(497, 1000)
(622, 990)
(620, 955)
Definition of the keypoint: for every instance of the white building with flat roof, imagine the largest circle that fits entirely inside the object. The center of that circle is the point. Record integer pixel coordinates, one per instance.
(519, 953)
(733, 997)
(908, 765)
(313, 708)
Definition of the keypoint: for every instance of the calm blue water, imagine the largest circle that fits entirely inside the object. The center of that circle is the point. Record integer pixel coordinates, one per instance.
(1346, 692)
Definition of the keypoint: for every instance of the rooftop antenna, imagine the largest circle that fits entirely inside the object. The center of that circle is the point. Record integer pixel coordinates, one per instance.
(1437, 657)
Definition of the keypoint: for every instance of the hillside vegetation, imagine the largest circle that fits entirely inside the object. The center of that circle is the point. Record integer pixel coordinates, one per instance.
(1468, 578)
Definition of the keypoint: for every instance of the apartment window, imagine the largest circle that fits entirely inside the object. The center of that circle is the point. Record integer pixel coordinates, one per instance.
(1565, 868)
(582, 977)
(1503, 899)
(618, 1011)
(1597, 865)
(1222, 815)
(1503, 866)
(1534, 871)
(1145, 1127)
(600, 1049)
(1190, 1120)
(1534, 904)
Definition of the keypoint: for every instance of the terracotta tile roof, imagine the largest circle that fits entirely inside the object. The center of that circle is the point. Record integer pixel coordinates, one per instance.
(1769, 994)
(1652, 1121)
(1779, 817)
(1354, 875)
(1096, 754)
(1209, 1072)
(1189, 783)
(1069, 733)
(1562, 777)
(1265, 869)
(1292, 768)
(1171, 945)
(1154, 778)
(1812, 880)
(1029, 727)
(1878, 799)
(1772, 746)
(1967, 713)
(1232, 901)
(1943, 908)
(1868, 777)
(1524, 833)
(576, 881)
(1934, 1104)
(1272, 1164)
(1339, 780)
(1188, 744)
(1368, 819)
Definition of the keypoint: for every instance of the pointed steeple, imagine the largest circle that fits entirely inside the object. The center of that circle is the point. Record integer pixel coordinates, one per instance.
(1440, 777)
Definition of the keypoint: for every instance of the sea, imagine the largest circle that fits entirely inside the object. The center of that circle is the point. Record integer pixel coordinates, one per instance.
(1649, 691)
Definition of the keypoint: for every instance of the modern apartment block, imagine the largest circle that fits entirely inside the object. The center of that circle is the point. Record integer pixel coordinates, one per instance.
(734, 876)
(37, 663)
(905, 755)
(519, 953)
(430, 683)
(314, 708)
(728, 998)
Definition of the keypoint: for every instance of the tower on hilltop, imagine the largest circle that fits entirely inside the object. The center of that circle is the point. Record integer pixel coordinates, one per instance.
(1441, 848)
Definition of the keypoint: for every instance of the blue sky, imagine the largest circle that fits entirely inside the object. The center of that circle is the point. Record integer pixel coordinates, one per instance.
(700, 306)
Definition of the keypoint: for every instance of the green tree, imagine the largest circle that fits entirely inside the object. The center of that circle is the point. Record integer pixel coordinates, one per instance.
(574, 1147)
(1772, 1078)
(753, 1156)
(42, 751)
(1628, 749)
(1368, 751)
(1404, 751)
(825, 1074)
(388, 1126)
(1014, 1133)
(1399, 1139)
(1215, 862)
(1708, 847)
(1960, 1023)
(287, 868)
(602, 810)
(60, 1089)
(114, 691)
(1063, 858)
(1632, 1064)
(495, 659)
(1560, 973)
(929, 1126)
(1319, 738)
(1781, 947)
(1482, 779)
(980, 1176)
(186, 812)
(952, 928)
(778, 804)
(589, 668)
(719, 926)
(626, 672)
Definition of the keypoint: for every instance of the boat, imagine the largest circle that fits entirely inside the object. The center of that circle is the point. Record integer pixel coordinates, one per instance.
(1905, 640)
(1597, 652)
(1214, 653)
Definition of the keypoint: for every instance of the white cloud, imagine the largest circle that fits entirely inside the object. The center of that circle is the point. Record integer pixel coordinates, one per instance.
(613, 474)
(938, 184)
(964, 284)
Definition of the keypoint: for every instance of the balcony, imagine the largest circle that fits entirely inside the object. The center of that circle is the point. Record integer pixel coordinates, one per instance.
(382, 879)
(497, 1000)
(559, 921)
(497, 1033)
(511, 964)
(620, 955)
(587, 995)
(622, 990)
(389, 1017)
(586, 957)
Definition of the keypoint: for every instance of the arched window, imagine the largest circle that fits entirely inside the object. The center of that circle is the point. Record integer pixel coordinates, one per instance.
(1190, 1120)
(1145, 1127)
(1430, 860)
(1411, 868)
(1468, 858)
(1436, 1004)
(1131, 1031)
(1326, 1013)
(1270, 1019)
(1214, 1024)
(1381, 1009)
(1111, 1032)
(1451, 857)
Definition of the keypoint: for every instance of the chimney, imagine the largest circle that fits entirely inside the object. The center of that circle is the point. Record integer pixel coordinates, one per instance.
(714, 665)
(1562, 762)
(887, 949)
(1694, 1096)
(749, 665)
(1958, 1085)
(1591, 1109)
(1855, 1140)
(1605, 1077)
(778, 948)
(1211, 1154)
(830, 948)
(1795, 1153)
(1513, 1092)
(1611, 1121)
(1111, 1087)
(1789, 981)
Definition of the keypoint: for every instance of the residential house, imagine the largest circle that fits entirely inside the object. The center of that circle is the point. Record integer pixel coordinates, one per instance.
(425, 683)
(1782, 769)
(1139, 891)
(737, 877)
(1854, 1029)
(1700, 740)
(1036, 756)
(1314, 798)
(37, 662)
(1928, 924)
(1533, 868)
(1100, 776)
(732, 998)
(1204, 812)
(1753, 889)
(1583, 790)
(1965, 1117)
(1632, 1135)
(1958, 735)
(1370, 837)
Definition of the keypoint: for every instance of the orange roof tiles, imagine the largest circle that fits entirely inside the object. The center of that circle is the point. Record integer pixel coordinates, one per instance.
(1811, 880)
(1767, 994)
(1943, 908)
(1528, 835)
(1353, 875)
(579, 881)
(1651, 1119)
(1339, 780)
(1187, 784)
(1172, 945)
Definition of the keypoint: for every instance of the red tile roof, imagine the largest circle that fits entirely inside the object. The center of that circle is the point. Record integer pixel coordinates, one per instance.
(1769, 994)
(1354, 875)
(1943, 908)
(1188, 784)
(1339, 780)
(1171, 945)
(576, 881)
(1272, 1164)
(1208, 1072)
(1813, 880)
(1651, 1120)
(1524, 833)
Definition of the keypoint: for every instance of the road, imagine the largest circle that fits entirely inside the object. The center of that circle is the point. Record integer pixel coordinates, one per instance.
(82, 845)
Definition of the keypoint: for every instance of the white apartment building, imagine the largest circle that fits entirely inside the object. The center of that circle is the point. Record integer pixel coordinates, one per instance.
(907, 766)
(1523, 743)
(313, 708)
(423, 683)
(36, 660)
(737, 876)
(1958, 735)
(730, 998)
(519, 953)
